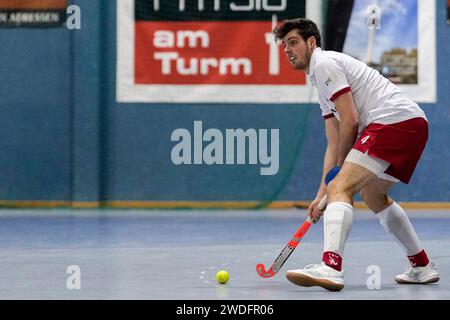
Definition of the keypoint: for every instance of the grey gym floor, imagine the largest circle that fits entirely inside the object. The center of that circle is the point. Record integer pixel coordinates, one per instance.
(153, 255)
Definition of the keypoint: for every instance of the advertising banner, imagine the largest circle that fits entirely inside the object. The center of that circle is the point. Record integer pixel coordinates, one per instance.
(32, 13)
(223, 51)
(207, 51)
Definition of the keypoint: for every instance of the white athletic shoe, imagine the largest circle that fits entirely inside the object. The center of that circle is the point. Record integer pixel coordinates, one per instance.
(317, 275)
(419, 275)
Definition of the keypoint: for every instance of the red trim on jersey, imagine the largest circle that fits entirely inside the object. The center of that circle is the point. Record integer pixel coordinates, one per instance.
(340, 93)
(328, 116)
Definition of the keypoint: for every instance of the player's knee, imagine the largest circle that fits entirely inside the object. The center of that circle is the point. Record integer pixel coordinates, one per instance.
(374, 198)
(336, 187)
(332, 187)
(365, 194)
(373, 192)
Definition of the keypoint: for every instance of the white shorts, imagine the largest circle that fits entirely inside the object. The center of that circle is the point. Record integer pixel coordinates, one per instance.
(377, 166)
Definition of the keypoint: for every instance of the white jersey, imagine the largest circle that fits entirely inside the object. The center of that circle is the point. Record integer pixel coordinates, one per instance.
(376, 98)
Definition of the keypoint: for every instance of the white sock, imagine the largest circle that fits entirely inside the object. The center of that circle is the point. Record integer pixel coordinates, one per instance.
(338, 219)
(396, 222)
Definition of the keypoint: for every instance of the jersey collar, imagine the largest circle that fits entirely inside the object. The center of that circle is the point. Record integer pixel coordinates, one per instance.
(312, 63)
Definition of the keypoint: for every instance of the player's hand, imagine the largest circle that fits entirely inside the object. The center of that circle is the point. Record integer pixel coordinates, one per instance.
(314, 212)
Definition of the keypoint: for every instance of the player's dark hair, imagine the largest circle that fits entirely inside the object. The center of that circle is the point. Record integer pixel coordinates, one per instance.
(305, 27)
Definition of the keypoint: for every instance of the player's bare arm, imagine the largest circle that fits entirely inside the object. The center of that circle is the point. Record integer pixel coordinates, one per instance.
(329, 162)
(348, 127)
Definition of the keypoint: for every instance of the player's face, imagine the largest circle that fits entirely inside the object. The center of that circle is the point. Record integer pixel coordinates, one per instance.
(297, 51)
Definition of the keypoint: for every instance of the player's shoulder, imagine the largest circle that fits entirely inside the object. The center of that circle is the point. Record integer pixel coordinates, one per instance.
(338, 61)
(328, 60)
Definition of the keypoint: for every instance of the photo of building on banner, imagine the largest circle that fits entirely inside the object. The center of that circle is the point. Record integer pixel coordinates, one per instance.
(379, 37)
(32, 13)
(393, 37)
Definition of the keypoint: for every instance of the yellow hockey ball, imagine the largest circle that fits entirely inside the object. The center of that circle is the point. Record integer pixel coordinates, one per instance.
(222, 277)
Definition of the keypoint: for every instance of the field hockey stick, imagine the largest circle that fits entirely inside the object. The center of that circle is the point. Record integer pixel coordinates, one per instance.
(290, 247)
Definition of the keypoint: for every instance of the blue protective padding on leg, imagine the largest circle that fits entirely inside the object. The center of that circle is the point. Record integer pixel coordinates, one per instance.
(332, 174)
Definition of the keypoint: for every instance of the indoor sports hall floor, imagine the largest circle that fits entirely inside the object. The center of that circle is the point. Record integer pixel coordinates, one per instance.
(139, 254)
